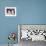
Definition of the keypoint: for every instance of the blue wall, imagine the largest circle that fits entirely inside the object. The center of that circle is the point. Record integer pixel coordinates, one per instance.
(28, 12)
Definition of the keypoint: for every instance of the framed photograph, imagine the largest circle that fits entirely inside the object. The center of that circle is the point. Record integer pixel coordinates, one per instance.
(10, 11)
(32, 32)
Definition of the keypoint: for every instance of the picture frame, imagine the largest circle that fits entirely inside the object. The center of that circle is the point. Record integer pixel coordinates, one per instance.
(10, 11)
(36, 32)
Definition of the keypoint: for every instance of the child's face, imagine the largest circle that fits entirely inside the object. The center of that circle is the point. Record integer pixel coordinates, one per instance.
(13, 12)
(9, 12)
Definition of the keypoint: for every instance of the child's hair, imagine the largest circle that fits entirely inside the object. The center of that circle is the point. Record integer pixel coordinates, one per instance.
(9, 10)
(13, 10)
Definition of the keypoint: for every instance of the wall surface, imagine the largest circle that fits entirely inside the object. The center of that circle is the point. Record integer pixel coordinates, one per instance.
(28, 12)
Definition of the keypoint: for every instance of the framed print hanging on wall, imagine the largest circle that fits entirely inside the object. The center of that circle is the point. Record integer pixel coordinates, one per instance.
(10, 11)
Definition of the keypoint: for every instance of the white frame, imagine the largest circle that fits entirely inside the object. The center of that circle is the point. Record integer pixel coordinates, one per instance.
(10, 8)
(19, 32)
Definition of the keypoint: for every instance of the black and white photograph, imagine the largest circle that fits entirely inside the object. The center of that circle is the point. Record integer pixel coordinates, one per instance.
(29, 34)
(10, 11)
